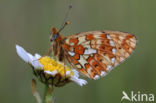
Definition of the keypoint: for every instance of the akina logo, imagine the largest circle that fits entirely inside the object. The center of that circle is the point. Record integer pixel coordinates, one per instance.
(137, 97)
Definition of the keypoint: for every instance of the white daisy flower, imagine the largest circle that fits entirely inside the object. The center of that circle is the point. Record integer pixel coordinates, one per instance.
(48, 70)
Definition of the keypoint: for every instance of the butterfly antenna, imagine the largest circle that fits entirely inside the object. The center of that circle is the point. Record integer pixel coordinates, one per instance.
(64, 23)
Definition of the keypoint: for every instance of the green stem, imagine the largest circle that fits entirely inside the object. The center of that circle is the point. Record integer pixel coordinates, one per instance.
(48, 94)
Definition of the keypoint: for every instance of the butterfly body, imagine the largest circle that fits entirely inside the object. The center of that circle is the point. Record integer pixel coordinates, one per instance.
(93, 53)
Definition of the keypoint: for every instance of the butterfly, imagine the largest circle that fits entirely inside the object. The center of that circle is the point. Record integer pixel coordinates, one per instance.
(93, 53)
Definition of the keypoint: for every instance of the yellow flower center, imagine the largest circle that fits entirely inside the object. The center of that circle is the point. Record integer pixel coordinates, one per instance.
(50, 64)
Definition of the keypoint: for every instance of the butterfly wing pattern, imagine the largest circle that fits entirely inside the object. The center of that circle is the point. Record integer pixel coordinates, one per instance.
(95, 53)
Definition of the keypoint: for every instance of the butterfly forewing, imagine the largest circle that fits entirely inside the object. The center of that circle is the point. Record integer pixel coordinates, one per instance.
(95, 53)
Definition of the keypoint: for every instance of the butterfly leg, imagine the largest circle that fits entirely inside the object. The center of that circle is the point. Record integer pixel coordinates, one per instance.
(69, 61)
(49, 51)
(64, 67)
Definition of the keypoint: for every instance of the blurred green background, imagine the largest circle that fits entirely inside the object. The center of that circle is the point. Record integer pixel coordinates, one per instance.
(28, 23)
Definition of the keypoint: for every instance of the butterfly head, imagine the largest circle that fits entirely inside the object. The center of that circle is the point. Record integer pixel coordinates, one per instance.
(54, 34)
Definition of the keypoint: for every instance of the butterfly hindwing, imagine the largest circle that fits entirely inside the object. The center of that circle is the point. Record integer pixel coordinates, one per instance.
(95, 53)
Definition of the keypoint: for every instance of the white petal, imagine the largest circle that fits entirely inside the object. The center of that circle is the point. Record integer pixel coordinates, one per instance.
(28, 58)
(75, 78)
(22, 53)
(67, 72)
(76, 73)
(31, 58)
(36, 64)
(51, 73)
(78, 81)
(37, 56)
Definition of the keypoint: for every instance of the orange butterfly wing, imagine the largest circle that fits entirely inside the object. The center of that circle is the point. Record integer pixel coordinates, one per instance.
(95, 53)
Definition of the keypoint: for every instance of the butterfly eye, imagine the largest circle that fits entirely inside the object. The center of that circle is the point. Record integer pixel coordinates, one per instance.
(54, 37)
